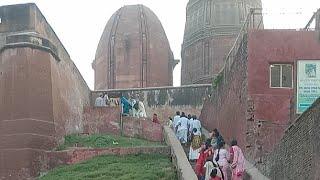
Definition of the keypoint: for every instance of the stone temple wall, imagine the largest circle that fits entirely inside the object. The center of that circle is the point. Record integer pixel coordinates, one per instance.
(297, 154)
(227, 107)
(42, 93)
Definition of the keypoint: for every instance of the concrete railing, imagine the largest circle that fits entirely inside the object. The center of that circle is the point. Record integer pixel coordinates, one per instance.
(179, 158)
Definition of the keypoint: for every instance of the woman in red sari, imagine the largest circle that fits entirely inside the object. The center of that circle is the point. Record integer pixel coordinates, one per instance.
(205, 152)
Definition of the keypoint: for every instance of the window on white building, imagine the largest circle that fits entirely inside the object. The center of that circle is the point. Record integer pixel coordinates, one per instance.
(281, 76)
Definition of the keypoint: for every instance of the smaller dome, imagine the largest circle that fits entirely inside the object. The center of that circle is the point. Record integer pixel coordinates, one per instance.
(133, 51)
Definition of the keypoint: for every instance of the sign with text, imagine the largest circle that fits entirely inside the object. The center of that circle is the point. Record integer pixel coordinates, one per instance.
(308, 83)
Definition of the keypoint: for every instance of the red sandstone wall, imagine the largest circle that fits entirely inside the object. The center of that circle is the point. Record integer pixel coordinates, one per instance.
(298, 149)
(226, 110)
(26, 114)
(107, 120)
(38, 105)
(142, 128)
(243, 105)
(273, 106)
(70, 95)
(102, 120)
(42, 93)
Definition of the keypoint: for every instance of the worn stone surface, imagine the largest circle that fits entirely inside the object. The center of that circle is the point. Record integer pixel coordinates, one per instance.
(42, 93)
(211, 28)
(102, 120)
(107, 120)
(226, 109)
(133, 51)
(298, 149)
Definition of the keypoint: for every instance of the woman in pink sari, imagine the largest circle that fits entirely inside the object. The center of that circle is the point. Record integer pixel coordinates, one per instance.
(237, 161)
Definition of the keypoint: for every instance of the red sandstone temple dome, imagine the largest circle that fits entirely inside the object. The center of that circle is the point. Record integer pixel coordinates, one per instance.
(211, 28)
(133, 52)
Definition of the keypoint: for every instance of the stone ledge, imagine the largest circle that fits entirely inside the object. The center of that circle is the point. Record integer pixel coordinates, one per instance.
(179, 158)
(32, 40)
(155, 88)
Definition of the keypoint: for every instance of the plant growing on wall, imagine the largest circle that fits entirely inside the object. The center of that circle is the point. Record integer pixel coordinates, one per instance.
(217, 80)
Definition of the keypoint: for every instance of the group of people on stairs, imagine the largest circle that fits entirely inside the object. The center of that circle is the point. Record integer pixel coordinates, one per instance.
(213, 160)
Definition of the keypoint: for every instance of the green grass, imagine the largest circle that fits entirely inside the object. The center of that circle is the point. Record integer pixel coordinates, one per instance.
(102, 141)
(130, 167)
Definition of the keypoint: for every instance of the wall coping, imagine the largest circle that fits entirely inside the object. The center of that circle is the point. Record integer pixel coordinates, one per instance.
(30, 45)
(154, 88)
(184, 169)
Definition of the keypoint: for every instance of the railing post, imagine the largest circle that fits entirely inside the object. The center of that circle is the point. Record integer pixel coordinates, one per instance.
(121, 120)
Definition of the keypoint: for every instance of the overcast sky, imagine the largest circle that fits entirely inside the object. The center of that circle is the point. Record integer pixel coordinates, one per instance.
(79, 24)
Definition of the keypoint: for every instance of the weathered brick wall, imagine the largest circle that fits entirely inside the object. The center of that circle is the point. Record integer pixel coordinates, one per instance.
(273, 108)
(165, 101)
(297, 154)
(226, 110)
(102, 120)
(107, 120)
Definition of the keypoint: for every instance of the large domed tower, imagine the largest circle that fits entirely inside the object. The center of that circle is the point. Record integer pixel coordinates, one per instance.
(210, 31)
(133, 51)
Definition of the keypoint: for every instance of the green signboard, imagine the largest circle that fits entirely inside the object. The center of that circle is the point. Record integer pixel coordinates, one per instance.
(308, 83)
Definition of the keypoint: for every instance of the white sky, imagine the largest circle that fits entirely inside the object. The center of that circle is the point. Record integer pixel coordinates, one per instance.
(79, 24)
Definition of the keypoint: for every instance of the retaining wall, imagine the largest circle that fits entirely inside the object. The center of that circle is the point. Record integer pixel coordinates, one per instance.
(226, 109)
(297, 156)
(107, 120)
(42, 93)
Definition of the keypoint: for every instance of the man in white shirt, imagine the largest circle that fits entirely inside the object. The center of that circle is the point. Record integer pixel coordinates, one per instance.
(196, 123)
(183, 128)
(100, 101)
(142, 110)
(176, 119)
(190, 128)
(190, 125)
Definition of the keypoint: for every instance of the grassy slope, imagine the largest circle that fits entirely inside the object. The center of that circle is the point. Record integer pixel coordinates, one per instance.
(100, 141)
(131, 167)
